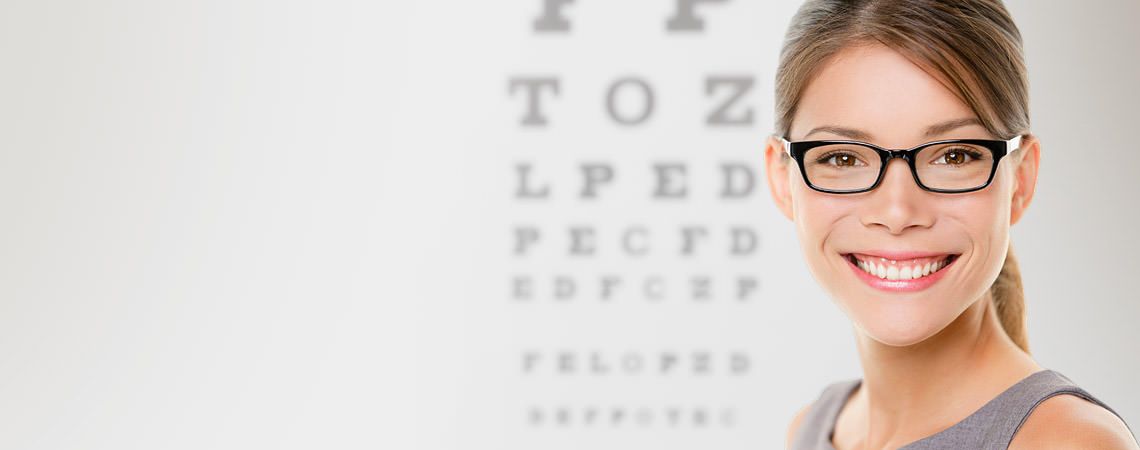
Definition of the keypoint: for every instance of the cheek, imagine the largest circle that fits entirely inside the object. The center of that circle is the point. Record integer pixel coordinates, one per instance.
(979, 208)
(816, 213)
(817, 217)
(983, 215)
(983, 219)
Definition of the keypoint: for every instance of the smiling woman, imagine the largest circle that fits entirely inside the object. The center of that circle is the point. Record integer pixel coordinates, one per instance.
(916, 252)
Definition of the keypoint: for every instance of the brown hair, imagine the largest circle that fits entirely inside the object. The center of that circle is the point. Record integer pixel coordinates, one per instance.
(971, 46)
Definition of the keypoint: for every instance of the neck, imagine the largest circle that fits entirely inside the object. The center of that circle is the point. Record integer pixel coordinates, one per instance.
(914, 391)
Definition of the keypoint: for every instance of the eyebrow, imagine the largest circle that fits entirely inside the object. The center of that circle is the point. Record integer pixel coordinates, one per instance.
(931, 131)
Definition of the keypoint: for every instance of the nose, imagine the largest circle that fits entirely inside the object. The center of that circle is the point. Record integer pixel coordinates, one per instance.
(898, 203)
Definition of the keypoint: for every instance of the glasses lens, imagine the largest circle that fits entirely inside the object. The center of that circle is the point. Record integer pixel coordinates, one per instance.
(842, 167)
(954, 166)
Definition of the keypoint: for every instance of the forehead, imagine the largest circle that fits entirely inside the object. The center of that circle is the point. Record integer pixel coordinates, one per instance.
(879, 91)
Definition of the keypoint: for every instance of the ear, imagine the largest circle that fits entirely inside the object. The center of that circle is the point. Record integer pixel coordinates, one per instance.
(1025, 177)
(777, 169)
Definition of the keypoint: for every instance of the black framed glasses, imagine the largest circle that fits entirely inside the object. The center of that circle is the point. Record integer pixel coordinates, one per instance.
(947, 166)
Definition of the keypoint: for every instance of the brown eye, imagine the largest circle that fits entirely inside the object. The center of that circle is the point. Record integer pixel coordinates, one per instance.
(955, 157)
(840, 160)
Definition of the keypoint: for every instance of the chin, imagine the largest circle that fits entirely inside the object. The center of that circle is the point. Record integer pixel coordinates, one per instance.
(900, 327)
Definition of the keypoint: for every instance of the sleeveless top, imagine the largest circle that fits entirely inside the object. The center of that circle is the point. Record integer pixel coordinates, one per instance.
(991, 427)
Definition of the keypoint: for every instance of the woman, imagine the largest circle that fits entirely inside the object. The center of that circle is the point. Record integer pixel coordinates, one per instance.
(914, 246)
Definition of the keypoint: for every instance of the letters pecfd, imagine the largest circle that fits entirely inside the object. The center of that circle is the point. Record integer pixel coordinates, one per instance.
(725, 112)
(581, 241)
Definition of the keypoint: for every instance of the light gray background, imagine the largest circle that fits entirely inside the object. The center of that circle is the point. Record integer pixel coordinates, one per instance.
(264, 224)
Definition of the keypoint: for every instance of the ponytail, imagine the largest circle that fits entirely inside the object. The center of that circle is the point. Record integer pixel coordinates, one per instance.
(1009, 299)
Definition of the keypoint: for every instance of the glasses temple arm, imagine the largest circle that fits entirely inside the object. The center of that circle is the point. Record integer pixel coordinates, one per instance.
(1013, 144)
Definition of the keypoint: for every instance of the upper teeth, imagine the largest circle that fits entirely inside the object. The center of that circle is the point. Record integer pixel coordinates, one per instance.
(886, 270)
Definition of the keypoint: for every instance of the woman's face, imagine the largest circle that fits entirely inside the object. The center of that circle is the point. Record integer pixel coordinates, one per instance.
(893, 102)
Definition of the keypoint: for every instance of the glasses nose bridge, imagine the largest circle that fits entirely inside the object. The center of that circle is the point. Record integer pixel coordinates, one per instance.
(902, 154)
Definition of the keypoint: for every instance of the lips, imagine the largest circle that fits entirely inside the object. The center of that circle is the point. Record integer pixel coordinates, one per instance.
(894, 270)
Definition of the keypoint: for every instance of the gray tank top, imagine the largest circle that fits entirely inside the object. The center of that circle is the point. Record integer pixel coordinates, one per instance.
(991, 427)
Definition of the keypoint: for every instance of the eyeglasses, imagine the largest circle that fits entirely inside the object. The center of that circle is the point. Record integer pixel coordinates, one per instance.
(948, 166)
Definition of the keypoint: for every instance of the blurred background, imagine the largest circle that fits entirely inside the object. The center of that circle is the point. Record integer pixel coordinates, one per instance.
(480, 225)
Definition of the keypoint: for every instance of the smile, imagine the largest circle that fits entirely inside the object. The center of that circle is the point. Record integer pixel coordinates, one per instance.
(910, 273)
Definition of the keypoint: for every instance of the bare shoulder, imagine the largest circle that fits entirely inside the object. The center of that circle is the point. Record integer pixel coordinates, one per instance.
(795, 425)
(1067, 421)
